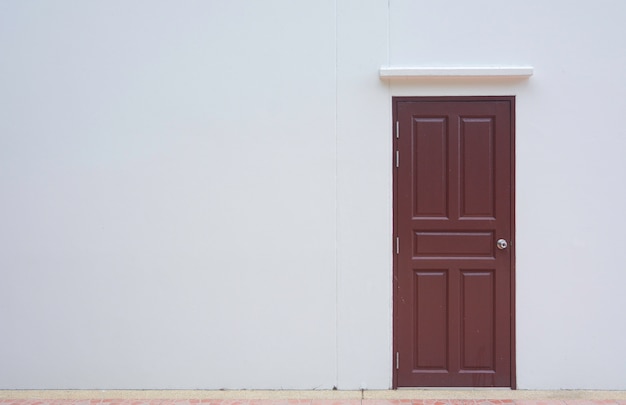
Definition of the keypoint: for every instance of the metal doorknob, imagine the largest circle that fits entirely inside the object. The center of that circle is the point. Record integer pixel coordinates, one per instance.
(502, 244)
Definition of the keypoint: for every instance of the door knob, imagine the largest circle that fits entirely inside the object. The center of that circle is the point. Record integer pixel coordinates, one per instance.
(502, 244)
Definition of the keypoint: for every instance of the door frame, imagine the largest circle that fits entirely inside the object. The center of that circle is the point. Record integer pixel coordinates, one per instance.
(395, 327)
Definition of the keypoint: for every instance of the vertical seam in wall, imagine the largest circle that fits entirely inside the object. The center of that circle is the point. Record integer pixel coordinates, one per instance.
(390, 202)
(336, 198)
(388, 38)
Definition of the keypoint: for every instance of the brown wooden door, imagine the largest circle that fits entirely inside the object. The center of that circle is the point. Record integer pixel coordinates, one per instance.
(453, 201)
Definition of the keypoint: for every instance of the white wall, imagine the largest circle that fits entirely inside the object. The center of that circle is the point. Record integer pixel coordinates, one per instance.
(168, 177)
(197, 194)
(363, 197)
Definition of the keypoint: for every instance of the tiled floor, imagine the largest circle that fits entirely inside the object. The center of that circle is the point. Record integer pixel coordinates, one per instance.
(315, 397)
(280, 401)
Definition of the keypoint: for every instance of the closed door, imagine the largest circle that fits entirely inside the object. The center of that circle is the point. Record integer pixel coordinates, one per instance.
(453, 226)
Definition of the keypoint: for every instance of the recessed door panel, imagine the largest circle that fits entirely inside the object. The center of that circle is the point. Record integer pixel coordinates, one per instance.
(431, 320)
(430, 165)
(457, 244)
(477, 171)
(477, 321)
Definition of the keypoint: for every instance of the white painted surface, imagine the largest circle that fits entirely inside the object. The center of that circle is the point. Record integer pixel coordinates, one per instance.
(168, 219)
(198, 194)
(363, 227)
(397, 72)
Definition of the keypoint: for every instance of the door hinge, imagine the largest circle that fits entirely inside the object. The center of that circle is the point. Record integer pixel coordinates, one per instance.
(397, 158)
(397, 129)
(397, 360)
(397, 245)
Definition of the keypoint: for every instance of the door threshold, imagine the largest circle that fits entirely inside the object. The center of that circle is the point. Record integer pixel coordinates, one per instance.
(455, 388)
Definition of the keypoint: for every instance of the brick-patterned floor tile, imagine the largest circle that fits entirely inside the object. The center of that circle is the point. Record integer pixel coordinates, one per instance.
(336, 402)
(112, 401)
(462, 402)
(388, 402)
(56, 402)
(539, 402)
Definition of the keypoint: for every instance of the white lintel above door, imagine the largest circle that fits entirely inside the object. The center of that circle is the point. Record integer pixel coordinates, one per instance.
(403, 72)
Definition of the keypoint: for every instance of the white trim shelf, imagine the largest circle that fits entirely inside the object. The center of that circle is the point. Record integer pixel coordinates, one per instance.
(392, 72)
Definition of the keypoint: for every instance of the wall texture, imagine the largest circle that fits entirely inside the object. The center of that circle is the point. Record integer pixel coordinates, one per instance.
(168, 180)
(197, 194)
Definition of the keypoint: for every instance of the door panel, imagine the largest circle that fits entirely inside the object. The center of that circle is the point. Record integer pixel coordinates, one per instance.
(431, 329)
(453, 199)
